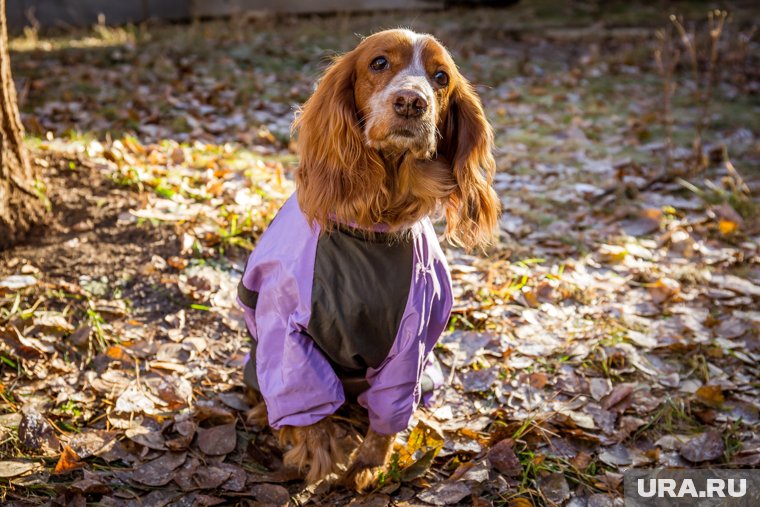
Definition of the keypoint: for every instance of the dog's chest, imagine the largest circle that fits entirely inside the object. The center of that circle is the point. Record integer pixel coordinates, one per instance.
(359, 294)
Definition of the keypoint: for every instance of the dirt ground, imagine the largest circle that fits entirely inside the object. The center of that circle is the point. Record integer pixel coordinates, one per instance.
(615, 325)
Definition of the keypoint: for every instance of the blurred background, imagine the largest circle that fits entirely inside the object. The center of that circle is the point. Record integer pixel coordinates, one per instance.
(79, 13)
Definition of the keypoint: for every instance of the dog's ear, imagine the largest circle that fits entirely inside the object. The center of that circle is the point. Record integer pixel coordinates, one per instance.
(335, 166)
(473, 209)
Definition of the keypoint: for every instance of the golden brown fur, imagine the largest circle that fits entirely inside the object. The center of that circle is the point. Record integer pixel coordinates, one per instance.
(340, 177)
(368, 461)
(363, 163)
(315, 448)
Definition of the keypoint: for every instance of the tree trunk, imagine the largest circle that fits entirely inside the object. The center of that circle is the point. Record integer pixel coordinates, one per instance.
(20, 203)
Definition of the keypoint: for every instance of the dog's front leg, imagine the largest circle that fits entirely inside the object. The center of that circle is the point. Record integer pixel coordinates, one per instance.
(315, 447)
(369, 459)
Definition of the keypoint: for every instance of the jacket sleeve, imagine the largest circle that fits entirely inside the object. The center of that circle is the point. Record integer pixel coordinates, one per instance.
(395, 389)
(297, 382)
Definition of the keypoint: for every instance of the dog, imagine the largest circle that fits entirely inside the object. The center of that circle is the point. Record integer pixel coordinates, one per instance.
(348, 290)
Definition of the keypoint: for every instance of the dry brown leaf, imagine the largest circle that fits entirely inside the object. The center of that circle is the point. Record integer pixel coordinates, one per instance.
(273, 494)
(727, 227)
(581, 461)
(160, 471)
(708, 446)
(445, 493)
(554, 487)
(711, 395)
(9, 469)
(663, 290)
(218, 440)
(538, 379)
(503, 459)
(36, 434)
(612, 254)
(423, 438)
(67, 462)
(619, 393)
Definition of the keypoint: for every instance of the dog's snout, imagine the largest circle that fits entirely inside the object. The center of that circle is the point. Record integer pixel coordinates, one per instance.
(409, 104)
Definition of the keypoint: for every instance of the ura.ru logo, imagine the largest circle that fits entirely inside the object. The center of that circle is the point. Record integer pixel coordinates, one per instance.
(714, 488)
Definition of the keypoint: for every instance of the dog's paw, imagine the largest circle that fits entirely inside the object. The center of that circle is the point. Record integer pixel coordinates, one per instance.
(257, 416)
(366, 464)
(361, 477)
(315, 450)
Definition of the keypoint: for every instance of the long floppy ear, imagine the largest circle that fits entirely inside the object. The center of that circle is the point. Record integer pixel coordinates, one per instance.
(473, 209)
(335, 168)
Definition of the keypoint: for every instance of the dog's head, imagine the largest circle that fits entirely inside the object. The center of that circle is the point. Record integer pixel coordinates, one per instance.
(393, 132)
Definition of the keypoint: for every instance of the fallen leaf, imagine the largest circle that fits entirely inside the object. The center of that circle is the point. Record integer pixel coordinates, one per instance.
(90, 485)
(10, 469)
(237, 479)
(726, 226)
(178, 263)
(736, 284)
(186, 430)
(36, 434)
(53, 321)
(373, 500)
(705, 447)
(648, 222)
(17, 282)
(201, 477)
(477, 381)
(134, 400)
(424, 438)
(600, 500)
(619, 393)
(538, 379)
(615, 455)
(67, 462)
(581, 461)
(554, 487)
(273, 494)
(91, 442)
(663, 290)
(218, 440)
(160, 471)
(605, 419)
(213, 414)
(81, 337)
(235, 401)
(520, 502)
(445, 493)
(609, 481)
(711, 395)
(147, 434)
(478, 473)
(612, 254)
(419, 466)
(503, 459)
(599, 387)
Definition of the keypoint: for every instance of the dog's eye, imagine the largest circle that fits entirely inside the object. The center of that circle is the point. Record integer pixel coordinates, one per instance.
(441, 78)
(379, 63)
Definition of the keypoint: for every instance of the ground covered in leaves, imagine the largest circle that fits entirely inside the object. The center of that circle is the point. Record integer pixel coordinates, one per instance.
(614, 325)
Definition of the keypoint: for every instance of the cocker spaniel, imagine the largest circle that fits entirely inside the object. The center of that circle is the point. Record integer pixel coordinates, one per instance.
(348, 290)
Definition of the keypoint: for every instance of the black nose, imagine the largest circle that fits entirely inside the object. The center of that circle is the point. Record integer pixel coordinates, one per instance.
(409, 104)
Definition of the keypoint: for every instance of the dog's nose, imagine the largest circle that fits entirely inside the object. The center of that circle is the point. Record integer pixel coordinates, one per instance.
(409, 104)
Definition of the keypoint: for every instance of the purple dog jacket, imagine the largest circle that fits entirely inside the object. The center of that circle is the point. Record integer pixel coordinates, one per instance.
(327, 309)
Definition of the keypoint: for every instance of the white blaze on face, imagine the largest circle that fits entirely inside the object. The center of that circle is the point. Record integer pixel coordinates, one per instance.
(414, 76)
(411, 78)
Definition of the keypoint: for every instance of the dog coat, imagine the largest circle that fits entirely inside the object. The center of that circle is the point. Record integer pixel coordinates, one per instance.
(328, 310)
